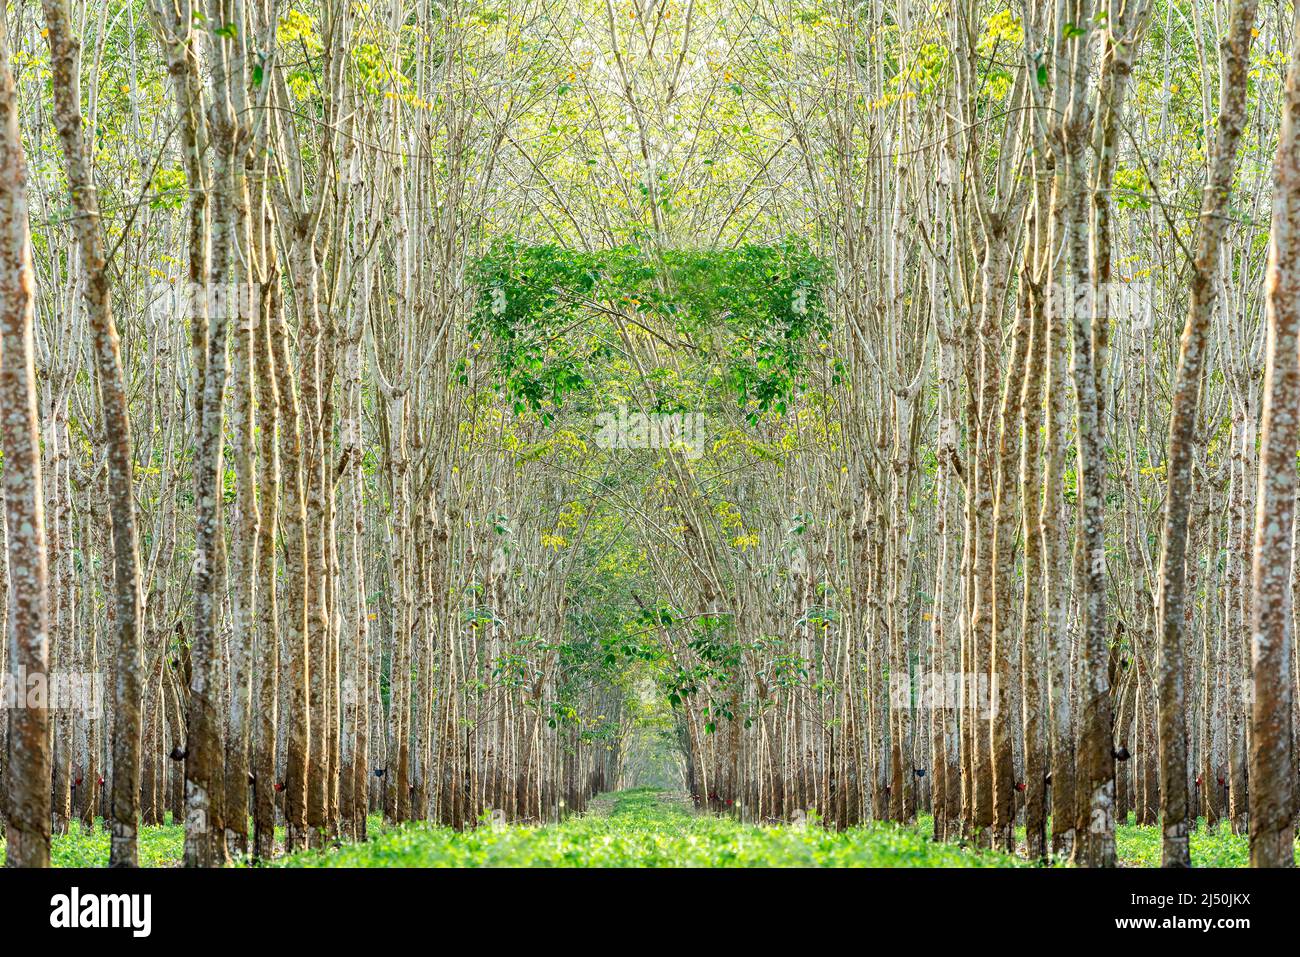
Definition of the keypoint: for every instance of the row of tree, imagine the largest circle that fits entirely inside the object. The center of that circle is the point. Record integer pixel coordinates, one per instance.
(406, 408)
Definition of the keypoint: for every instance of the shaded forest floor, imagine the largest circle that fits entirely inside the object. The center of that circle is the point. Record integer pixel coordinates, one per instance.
(646, 827)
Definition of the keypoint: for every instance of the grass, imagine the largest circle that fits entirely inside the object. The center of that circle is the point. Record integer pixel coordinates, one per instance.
(160, 846)
(642, 829)
(645, 827)
(1140, 846)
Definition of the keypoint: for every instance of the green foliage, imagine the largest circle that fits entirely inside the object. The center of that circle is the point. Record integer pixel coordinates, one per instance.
(645, 827)
(545, 309)
(1217, 847)
(642, 829)
(161, 846)
(168, 189)
(1131, 188)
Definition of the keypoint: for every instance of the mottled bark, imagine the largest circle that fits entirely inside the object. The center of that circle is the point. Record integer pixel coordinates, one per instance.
(65, 65)
(1272, 759)
(1172, 597)
(27, 762)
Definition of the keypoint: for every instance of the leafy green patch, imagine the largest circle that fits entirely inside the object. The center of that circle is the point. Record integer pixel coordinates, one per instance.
(1218, 847)
(646, 827)
(643, 830)
(161, 846)
(546, 313)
